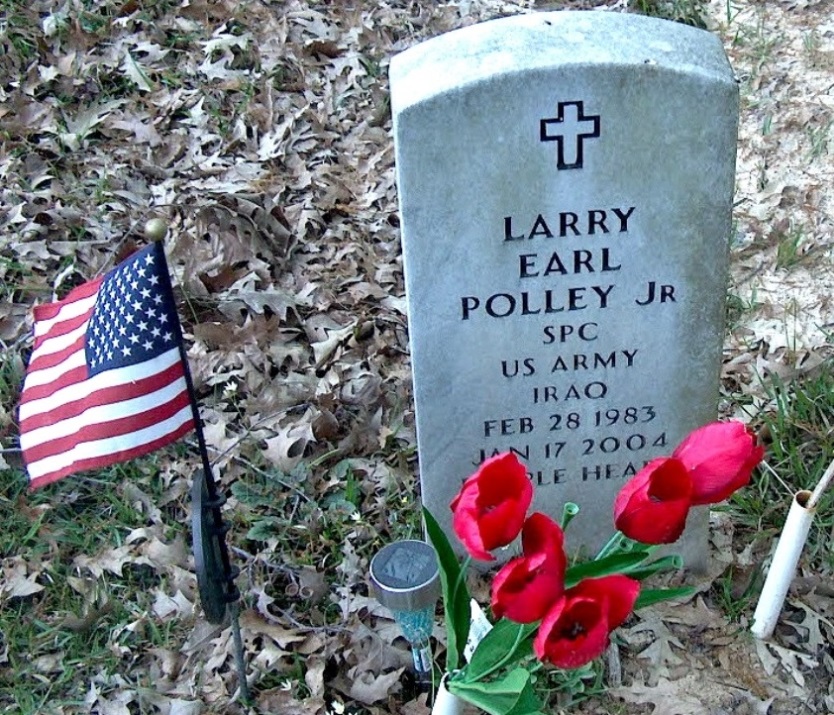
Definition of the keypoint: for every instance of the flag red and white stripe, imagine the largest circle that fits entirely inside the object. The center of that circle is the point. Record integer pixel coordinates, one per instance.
(106, 381)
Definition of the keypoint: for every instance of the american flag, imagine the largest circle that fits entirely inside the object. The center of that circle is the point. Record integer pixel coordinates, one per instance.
(106, 380)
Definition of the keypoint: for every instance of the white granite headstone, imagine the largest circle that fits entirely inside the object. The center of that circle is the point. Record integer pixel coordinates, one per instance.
(566, 184)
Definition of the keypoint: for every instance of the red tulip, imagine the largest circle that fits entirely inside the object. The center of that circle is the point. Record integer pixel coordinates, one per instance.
(490, 508)
(526, 587)
(720, 458)
(653, 505)
(577, 629)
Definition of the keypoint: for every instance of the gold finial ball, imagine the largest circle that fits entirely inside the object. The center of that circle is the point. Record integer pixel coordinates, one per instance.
(156, 229)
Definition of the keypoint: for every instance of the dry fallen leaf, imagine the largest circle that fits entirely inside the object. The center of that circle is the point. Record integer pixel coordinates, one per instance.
(369, 688)
(17, 581)
(286, 449)
(314, 676)
(282, 701)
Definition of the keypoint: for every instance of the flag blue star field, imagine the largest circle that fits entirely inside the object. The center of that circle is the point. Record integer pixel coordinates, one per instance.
(106, 381)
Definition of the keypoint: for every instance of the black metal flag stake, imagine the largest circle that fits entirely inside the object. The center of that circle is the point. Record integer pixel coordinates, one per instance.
(215, 574)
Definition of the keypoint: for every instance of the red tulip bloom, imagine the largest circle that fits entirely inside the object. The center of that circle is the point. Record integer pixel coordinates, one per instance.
(653, 505)
(526, 587)
(720, 458)
(577, 629)
(490, 508)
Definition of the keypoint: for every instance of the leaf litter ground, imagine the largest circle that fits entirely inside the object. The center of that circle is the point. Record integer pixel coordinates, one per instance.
(261, 132)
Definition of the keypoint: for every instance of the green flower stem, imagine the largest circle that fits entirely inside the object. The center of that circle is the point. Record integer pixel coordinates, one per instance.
(614, 545)
(535, 666)
(464, 567)
(569, 510)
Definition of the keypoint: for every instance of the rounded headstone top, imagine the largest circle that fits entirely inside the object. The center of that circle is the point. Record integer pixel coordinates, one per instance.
(544, 40)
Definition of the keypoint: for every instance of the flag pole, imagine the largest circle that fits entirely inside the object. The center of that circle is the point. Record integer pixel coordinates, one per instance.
(214, 503)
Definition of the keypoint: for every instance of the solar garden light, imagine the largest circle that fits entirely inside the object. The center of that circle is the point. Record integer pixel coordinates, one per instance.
(406, 580)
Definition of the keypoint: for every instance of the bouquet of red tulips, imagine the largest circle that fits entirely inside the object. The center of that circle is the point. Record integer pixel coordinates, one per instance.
(545, 611)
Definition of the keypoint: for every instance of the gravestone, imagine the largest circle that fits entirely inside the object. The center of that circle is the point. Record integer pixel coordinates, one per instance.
(565, 184)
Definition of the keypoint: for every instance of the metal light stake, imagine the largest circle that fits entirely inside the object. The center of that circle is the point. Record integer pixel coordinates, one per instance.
(406, 580)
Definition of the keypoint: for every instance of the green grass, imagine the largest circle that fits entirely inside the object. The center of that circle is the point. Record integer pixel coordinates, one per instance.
(811, 43)
(798, 424)
(756, 42)
(818, 139)
(687, 12)
(789, 244)
(738, 308)
(737, 591)
(313, 513)
(78, 627)
(19, 29)
(11, 377)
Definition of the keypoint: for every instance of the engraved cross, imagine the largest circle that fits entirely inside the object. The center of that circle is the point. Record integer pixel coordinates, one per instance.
(572, 128)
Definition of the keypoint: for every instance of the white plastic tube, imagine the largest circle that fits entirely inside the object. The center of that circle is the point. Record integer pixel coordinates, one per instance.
(445, 703)
(783, 567)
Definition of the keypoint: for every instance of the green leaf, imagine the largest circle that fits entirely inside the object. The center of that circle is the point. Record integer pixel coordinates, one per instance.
(667, 563)
(506, 643)
(618, 563)
(455, 593)
(264, 529)
(528, 703)
(650, 596)
(511, 695)
(251, 496)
